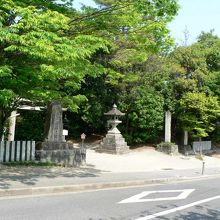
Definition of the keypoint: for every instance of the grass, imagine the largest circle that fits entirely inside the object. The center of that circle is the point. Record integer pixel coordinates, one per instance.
(31, 163)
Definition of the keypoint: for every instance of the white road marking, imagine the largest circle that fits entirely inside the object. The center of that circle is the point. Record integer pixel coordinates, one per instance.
(178, 208)
(139, 197)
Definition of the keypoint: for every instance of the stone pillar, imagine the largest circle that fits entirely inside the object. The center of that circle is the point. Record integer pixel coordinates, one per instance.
(167, 126)
(12, 123)
(185, 138)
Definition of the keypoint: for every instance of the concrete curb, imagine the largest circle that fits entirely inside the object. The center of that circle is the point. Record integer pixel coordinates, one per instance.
(94, 186)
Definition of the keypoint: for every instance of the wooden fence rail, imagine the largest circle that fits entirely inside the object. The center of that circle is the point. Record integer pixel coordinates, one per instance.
(17, 151)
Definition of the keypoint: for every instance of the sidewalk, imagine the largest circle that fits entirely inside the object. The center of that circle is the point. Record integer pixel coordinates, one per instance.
(139, 167)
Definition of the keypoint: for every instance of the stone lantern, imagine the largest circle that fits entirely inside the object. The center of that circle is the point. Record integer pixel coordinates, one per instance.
(114, 141)
(114, 121)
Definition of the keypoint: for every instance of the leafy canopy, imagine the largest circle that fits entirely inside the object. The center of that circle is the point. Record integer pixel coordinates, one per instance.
(200, 113)
(39, 62)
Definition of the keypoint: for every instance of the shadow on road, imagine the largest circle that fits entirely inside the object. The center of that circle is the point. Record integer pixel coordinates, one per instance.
(31, 175)
(200, 213)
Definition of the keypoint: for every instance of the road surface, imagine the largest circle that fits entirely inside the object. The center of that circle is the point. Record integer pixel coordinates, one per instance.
(192, 200)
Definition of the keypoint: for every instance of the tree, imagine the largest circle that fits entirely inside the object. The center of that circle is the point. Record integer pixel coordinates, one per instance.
(49, 51)
(144, 115)
(210, 44)
(200, 113)
(137, 33)
(38, 61)
(195, 71)
(134, 30)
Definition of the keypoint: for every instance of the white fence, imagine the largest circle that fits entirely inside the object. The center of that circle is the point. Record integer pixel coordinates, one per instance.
(17, 151)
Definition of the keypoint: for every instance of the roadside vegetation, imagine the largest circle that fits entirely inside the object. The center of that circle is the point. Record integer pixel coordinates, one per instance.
(120, 52)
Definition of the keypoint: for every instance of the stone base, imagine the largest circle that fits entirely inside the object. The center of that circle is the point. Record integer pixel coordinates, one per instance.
(61, 153)
(113, 144)
(168, 148)
(185, 149)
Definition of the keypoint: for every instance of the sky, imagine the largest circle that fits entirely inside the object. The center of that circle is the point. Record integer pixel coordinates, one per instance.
(193, 17)
(196, 16)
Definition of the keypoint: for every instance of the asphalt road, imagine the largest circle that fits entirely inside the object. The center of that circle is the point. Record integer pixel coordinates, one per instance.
(192, 200)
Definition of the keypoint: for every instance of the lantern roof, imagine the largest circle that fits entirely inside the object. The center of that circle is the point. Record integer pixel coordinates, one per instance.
(114, 111)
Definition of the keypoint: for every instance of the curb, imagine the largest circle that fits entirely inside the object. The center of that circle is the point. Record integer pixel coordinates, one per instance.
(51, 190)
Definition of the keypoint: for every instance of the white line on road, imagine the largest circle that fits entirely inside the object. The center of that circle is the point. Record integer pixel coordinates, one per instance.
(178, 208)
(139, 197)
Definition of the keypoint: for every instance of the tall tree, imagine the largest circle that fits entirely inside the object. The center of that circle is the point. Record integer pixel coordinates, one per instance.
(38, 61)
(137, 33)
(200, 113)
(195, 73)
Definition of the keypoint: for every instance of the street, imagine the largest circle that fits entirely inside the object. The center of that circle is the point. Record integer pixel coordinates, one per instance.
(184, 200)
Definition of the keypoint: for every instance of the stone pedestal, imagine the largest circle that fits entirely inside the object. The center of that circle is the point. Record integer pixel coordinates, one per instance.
(168, 148)
(114, 143)
(61, 153)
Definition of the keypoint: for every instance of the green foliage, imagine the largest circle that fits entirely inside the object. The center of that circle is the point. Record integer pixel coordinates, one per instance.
(200, 113)
(38, 61)
(95, 57)
(144, 115)
(136, 32)
(196, 83)
(189, 69)
(90, 116)
(215, 135)
(30, 125)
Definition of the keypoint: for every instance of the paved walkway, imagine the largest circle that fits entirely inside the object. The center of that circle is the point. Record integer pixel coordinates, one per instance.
(139, 167)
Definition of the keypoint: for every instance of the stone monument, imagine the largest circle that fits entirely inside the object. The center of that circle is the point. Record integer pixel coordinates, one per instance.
(54, 123)
(54, 148)
(114, 142)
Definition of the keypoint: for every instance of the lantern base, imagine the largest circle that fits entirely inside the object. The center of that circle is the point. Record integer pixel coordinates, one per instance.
(114, 144)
